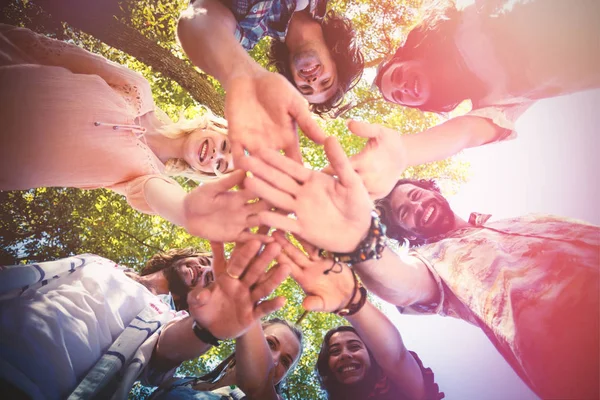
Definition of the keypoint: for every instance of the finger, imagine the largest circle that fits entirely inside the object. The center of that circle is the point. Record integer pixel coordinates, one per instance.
(255, 208)
(296, 272)
(266, 307)
(263, 230)
(363, 129)
(340, 163)
(270, 281)
(273, 176)
(297, 171)
(294, 253)
(273, 219)
(242, 256)
(227, 182)
(219, 262)
(246, 236)
(313, 303)
(238, 153)
(328, 170)
(311, 250)
(300, 113)
(257, 268)
(265, 191)
(293, 152)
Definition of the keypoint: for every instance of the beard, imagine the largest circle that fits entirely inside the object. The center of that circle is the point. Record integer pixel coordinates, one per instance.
(444, 222)
(178, 288)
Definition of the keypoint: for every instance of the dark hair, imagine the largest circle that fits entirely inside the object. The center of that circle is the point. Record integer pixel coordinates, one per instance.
(433, 44)
(165, 259)
(393, 230)
(336, 390)
(229, 362)
(340, 38)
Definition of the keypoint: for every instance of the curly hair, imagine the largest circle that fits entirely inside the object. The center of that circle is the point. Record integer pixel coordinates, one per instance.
(165, 259)
(433, 44)
(340, 38)
(394, 230)
(334, 389)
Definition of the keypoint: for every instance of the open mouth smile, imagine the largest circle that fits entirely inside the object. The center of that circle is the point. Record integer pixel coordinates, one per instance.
(203, 151)
(309, 72)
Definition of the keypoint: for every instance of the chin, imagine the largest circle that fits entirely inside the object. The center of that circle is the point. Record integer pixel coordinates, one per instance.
(352, 380)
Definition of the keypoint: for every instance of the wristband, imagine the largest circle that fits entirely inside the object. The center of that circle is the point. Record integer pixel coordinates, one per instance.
(205, 335)
(371, 247)
(350, 308)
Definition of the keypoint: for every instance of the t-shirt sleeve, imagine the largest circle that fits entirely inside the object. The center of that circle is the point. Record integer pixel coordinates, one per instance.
(133, 191)
(431, 308)
(503, 116)
(432, 390)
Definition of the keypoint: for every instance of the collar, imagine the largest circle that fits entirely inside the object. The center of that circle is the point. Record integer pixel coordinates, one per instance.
(478, 219)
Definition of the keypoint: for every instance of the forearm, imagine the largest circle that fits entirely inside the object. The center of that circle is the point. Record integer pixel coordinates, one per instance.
(254, 364)
(400, 280)
(177, 343)
(166, 200)
(391, 354)
(449, 138)
(206, 33)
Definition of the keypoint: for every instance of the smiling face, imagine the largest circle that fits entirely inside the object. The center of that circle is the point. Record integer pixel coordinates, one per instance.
(421, 211)
(193, 271)
(285, 349)
(405, 83)
(314, 72)
(208, 151)
(349, 359)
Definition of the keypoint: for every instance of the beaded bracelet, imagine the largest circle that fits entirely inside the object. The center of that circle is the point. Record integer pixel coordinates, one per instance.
(371, 247)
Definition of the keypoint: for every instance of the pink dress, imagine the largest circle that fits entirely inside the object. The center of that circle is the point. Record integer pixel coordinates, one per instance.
(71, 118)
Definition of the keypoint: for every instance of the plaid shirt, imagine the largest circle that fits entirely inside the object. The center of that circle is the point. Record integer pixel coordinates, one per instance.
(259, 18)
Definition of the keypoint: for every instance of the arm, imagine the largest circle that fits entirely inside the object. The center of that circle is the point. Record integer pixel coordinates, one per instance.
(253, 364)
(170, 352)
(262, 107)
(206, 33)
(391, 354)
(387, 153)
(400, 280)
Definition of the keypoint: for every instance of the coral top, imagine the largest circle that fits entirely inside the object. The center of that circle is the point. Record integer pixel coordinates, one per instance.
(71, 118)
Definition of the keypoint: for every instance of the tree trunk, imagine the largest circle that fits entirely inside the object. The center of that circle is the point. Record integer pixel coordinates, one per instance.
(97, 18)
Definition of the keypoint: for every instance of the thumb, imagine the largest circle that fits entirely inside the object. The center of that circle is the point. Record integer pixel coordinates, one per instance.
(363, 129)
(313, 303)
(199, 297)
(226, 183)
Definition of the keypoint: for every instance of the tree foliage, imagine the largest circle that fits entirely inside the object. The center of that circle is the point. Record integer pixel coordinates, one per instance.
(49, 223)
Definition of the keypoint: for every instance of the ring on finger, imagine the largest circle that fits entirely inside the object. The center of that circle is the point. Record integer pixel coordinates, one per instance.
(232, 276)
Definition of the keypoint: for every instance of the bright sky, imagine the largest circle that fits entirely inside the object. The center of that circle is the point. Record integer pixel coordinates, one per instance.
(552, 167)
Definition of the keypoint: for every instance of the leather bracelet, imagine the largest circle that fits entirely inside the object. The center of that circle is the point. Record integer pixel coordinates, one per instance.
(204, 335)
(350, 308)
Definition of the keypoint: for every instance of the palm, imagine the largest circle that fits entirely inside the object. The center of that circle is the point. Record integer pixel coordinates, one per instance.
(326, 291)
(330, 213)
(215, 212)
(263, 111)
(231, 305)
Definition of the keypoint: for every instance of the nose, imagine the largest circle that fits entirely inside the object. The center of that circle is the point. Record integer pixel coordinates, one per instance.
(275, 355)
(310, 79)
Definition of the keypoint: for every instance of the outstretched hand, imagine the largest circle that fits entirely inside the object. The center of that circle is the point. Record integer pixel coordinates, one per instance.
(332, 213)
(381, 162)
(325, 292)
(233, 302)
(262, 110)
(215, 212)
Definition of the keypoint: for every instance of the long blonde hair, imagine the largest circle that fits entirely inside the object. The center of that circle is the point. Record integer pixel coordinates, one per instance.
(183, 127)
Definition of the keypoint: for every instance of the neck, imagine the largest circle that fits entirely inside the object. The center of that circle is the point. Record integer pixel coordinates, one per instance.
(163, 147)
(302, 29)
(156, 283)
(460, 223)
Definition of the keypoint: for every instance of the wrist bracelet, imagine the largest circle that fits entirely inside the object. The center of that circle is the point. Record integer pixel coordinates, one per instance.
(350, 308)
(371, 247)
(205, 335)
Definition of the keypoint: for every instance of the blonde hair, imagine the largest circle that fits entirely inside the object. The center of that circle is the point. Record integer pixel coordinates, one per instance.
(183, 127)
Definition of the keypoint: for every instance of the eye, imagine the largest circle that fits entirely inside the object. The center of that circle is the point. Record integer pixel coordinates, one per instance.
(224, 146)
(286, 363)
(334, 352)
(325, 82)
(271, 343)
